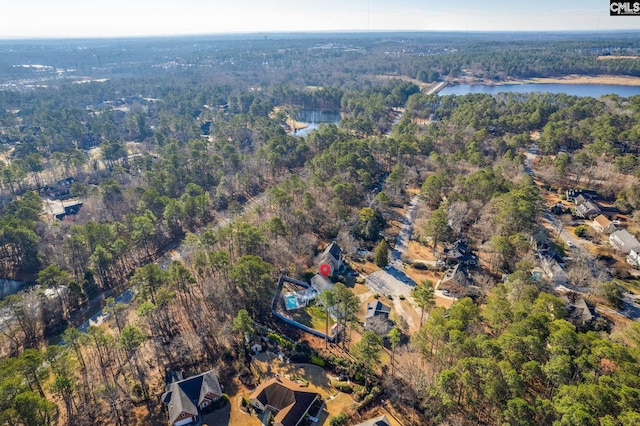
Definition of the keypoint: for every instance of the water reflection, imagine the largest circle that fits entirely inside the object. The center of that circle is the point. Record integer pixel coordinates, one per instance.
(8, 287)
(313, 118)
(593, 90)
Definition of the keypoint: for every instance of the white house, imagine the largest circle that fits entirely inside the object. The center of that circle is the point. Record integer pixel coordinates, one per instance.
(634, 257)
(623, 240)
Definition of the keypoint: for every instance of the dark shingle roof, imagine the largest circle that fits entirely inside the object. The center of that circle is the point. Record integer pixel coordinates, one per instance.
(185, 395)
(377, 308)
(334, 249)
(303, 402)
(285, 396)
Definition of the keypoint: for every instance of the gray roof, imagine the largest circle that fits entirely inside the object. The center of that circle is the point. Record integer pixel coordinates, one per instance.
(320, 283)
(580, 199)
(377, 308)
(186, 395)
(627, 239)
(588, 208)
(377, 421)
(581, 311)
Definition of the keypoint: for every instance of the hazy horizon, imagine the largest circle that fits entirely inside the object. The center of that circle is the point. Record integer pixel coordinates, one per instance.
(310, 32)
(43, 19)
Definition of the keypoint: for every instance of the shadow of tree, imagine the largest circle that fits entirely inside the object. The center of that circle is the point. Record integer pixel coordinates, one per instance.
(218, 418)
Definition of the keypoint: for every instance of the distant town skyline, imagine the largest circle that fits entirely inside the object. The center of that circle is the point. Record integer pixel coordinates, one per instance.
(123, 18)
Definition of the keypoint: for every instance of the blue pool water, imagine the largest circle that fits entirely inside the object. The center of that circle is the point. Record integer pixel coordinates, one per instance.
(291, 302)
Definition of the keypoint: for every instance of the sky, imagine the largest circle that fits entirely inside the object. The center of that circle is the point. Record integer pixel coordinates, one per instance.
(117, 18)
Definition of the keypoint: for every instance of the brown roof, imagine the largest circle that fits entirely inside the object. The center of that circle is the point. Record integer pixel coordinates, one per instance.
(290, 400)
(602, 220)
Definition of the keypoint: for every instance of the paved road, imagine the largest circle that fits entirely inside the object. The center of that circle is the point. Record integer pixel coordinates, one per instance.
(529, 157)
(402, 240)
(386, 282)
(564, 234)
(392, 281)
(435, 89)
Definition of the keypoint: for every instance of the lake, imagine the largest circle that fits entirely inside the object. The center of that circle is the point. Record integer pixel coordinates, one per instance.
(8, 287)
(313, 118)
(593, 90)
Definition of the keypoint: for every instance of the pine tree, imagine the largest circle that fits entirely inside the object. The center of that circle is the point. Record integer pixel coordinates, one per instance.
(381, 254)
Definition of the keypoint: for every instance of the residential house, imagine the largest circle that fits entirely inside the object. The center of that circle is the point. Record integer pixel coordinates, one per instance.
(456, 275)
(257, 344)
(61, 190)
(603, 225)
(460, 252)
(377, 421)
(68, 210)
(332, 255)
(587, 208)
(623, 240)
(634, 257)
(579, 312)
(286, 400)
(320, 283)
(539, 240)
(186, 398)
(572, 194)
(58, 194)
(376, 309)
(553, 266)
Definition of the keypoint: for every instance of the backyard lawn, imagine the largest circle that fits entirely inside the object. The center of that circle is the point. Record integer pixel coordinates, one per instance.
(266, 365)
(312, 316)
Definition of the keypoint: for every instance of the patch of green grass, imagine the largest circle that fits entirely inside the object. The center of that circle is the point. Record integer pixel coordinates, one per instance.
(317, 311)
(312, 316)
(632, 286)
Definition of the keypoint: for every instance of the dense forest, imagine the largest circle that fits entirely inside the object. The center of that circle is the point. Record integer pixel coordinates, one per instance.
(194, 195)
(328, 60)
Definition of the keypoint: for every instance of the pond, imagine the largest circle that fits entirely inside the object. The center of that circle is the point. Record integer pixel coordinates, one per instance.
(313, 118)
(8, 287)
(593, 90)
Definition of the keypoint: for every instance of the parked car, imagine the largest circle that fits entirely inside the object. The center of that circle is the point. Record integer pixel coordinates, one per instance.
(570, 244)
(446, 292)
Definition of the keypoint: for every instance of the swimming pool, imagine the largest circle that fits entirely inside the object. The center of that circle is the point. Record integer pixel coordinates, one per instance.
(291, 301)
